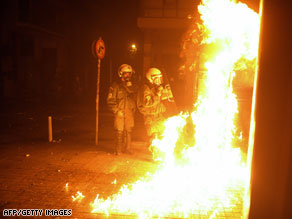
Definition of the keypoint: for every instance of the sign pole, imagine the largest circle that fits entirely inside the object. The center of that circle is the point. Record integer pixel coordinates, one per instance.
(97, 101)
(98, 49)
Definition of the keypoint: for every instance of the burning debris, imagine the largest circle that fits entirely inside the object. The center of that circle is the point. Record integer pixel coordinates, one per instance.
(79, 196)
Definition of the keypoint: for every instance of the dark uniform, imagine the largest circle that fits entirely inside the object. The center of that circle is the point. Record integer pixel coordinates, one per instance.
(121, 101)
(150, 105)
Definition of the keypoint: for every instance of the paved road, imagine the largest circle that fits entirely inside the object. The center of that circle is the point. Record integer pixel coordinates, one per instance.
(34, 172)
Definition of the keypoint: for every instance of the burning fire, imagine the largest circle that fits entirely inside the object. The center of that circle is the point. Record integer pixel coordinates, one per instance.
(67, 187)
(201, 170)
(79, 196)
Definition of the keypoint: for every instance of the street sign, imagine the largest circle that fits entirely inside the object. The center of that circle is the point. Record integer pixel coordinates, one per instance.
(100, 48)
(99, 51)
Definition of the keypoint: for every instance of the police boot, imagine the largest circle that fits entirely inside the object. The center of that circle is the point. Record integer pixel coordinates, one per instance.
(128, 143)
(119, 142)
(124, 142)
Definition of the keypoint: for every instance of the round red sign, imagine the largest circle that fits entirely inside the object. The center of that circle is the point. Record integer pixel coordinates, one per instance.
(100, 48)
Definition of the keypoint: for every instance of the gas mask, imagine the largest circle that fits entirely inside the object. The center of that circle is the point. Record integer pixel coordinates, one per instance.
(127, 77)
(157, 80)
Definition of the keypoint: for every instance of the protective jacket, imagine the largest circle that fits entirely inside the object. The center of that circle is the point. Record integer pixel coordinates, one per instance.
(121, 101)
(150, 105)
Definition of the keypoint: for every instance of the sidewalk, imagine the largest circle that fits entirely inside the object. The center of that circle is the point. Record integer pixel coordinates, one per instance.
(34, 172)
(28, 122)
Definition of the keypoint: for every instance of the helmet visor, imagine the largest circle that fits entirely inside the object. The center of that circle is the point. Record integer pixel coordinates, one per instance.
(157, 79)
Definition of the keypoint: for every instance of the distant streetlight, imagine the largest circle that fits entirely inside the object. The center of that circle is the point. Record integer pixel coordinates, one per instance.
(133, 48)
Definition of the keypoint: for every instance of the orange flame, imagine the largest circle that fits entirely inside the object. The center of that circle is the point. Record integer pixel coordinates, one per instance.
(79, 196)
(201, 171)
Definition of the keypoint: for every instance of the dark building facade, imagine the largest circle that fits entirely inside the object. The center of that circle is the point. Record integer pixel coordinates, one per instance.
(34, 55)
(164, 23)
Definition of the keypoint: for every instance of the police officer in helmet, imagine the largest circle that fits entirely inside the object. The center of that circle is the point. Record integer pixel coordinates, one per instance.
(121, 101)
(149, 103)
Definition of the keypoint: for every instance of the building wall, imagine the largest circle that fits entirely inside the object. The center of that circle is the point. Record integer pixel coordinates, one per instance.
(35, 48)
(164, 23)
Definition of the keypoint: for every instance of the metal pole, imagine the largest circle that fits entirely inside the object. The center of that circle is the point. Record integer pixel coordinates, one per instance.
(50, 129)
(97, 102)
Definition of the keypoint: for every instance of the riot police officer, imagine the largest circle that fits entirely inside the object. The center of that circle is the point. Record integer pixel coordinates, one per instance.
(121, 101)
(149, 103)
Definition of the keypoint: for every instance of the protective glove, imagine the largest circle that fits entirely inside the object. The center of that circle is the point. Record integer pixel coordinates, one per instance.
(120, 113)
(159, 90)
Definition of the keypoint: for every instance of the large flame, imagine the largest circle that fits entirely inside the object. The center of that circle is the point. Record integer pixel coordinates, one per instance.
(201, 172)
